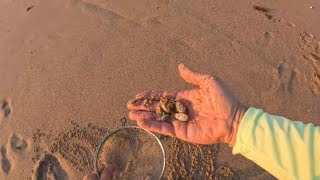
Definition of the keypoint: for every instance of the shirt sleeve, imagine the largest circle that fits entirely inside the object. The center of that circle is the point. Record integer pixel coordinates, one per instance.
(286, 149)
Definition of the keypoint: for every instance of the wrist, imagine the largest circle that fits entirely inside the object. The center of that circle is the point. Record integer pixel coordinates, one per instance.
(241, 110)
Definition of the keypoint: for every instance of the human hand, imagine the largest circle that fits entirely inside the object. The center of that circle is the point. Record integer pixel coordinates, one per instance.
(107, 174)
(214, 113)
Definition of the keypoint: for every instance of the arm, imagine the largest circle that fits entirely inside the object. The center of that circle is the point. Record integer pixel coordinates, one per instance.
(287, 149)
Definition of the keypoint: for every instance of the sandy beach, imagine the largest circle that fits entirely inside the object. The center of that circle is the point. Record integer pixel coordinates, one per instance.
(68, 68)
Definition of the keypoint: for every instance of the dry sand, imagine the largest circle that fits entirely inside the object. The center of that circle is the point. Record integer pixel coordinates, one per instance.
(68, 67)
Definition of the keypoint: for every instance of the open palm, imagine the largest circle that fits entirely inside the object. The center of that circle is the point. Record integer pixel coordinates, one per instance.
(214, 113)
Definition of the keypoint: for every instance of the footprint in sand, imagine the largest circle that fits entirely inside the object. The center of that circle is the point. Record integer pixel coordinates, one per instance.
(264, 10)
(287, 77)
(268, 39)
(17, 144)
(49, 168)
(5, 163)
(270, 14)
(76, 147)
(5, 108)
(310, 44)
(311, 52)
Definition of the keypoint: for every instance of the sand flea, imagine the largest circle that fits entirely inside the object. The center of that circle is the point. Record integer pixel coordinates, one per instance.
(167, 104)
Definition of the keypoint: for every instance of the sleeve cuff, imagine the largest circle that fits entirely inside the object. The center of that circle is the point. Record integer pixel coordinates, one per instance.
(246, 129)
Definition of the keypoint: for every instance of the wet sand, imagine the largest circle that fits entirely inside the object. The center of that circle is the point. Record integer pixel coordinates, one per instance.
(68, 67)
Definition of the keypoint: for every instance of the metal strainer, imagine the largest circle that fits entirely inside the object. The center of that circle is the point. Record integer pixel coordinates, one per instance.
(135, 152)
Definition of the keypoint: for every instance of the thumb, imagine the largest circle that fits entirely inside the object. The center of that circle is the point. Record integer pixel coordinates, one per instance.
(192, 77)
(107, 173)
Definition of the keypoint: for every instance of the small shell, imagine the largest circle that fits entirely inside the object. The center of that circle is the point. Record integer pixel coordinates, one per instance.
(181, 117)
(180, 108)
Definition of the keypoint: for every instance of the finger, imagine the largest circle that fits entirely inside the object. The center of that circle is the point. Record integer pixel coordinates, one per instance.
(143, 105)
(154, 95)
(107, 173)
(157, 126)
(141, 115)
(192, 77)
(91, 177)
(180, 129)
(148, 101)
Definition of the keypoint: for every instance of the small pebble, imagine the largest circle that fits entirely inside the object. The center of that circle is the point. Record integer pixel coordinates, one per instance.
(181, 117)
(311, 7)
